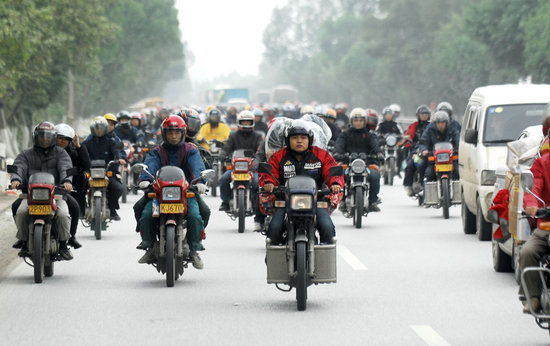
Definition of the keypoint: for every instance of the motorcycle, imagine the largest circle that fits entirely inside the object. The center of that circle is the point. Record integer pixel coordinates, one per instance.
(216, 150)
(170, 191)
(445, 191)
(240, 205)
(43, 243)
(97, 214)
(391, 146)
(302, 261)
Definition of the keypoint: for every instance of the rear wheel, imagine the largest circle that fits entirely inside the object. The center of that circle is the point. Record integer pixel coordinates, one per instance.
(468, 218)
(301, 279)
(484, 229)
(241, 209)
(124, 185)
(97, 217)
(170, 258)
(358, 216)
(445, 197)
(502, 262)
(391, 171)
(38, 254)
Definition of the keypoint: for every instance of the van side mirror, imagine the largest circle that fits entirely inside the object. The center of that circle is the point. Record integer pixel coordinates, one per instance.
(336, 171)
(264, 168)
(526, 180)
(470, 136)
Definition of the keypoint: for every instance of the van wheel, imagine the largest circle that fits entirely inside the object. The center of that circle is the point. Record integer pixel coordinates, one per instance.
(468, 218)
(484, 229)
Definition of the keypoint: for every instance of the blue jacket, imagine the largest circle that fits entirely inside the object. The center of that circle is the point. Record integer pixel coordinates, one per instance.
(102, 148)
(128, 133)
(431, 135)
(184, 156)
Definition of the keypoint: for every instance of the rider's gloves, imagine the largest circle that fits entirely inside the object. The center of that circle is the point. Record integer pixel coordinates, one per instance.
(144, 184)
(201, 189)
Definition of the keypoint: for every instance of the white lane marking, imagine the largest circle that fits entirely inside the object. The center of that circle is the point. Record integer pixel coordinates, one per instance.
(430, 336)
(353, 261)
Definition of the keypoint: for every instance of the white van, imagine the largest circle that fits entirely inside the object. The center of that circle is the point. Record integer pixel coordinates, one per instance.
(495, 115)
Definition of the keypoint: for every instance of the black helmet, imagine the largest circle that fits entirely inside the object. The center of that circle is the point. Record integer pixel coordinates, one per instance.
(423, 109)
(44, 135)
(298, 129)
(445, 106)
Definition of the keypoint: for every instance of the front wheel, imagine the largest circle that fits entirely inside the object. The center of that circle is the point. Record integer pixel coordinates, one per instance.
(38, 254)
(241, 209)
(391, 171)
(445, 197)
(484, 229)
(301, 279)
(468, 218)
(170, 257)
(358, 215)
(97, 217)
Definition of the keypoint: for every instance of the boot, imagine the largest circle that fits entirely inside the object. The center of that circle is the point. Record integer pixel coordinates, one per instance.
(373, 207)
(224, 206)
(64, 251)
(144, 245)
(149, 256)
(114, 215)
(535, 302)
(19, 244)
(196, 260)
(74, 243)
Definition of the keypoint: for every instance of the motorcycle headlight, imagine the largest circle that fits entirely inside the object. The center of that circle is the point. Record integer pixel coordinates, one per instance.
(301, 202)
(97, 173)
(171, 193)
(40, 194)
(391, 141)
(443, 157)
(358, 166)
(241, 166)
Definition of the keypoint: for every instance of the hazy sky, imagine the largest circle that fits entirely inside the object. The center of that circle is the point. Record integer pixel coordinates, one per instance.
(224, 35)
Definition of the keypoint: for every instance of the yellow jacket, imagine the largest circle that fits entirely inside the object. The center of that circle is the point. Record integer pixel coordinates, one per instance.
(221, 133)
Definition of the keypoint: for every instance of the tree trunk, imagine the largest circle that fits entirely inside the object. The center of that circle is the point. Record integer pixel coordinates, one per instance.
(70, 107)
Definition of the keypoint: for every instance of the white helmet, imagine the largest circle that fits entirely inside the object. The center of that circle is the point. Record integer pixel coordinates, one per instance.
(245, 116)
(396, 110)
(64, 130)
(307, 109)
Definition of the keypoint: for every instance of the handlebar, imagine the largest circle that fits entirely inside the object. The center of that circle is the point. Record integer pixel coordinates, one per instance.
(541, 213)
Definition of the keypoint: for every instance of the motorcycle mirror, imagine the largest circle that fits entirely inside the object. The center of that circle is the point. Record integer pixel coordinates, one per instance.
(526, 180)
(336, 171)
(138, 168)
(11, 169)
(264, 168)
(208, 174)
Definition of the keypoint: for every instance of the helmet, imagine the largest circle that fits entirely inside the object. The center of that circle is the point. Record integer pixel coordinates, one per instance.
(372, 119)
(298, 129)
(341, 108)
(136, 115)
(331, 113)
(387, 110)
(110, 116)
(99, 127)
(258, 112)
(164, 111)
(396, 110)
(441, 117)
(358, 113)
(213, 116)
(193, 122)
(307, 109)
(423, 109)
(123, 115)
(209, 108)
(445, 106)
(173, 122)
(245, 116)
(44, 135)
(64, 130)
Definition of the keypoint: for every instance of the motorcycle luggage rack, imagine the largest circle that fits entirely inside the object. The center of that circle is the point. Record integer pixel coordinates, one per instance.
(542, 319)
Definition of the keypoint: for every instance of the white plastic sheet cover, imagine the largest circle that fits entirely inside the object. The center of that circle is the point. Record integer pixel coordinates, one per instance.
(275, 138)
(523, 152)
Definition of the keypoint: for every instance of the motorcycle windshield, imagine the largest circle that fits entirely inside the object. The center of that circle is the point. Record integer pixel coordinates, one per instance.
(170, 173)
(98, 163)
(443, 146)
(241, 153)
(42, 178)
(301, 183)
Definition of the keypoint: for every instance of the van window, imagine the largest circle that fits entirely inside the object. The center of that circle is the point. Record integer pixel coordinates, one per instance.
(505, 123)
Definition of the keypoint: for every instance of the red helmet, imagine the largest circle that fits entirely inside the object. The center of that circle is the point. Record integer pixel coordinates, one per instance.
(173, 122)
(372, 119)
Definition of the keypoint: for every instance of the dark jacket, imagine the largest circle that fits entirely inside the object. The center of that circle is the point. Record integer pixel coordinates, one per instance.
(205, 154)
(55, 160)
(81, 160)
(260, 126)
(103, 148)
(389, 127)
(128, 133)
(432, 135)
(335, 130)
(415, 131)
(248, 140)
(357, 141)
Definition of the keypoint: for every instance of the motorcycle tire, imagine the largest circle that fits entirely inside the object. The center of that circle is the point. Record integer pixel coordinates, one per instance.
(38, 254)
(97, 217)
(301, 278)
(170, 255)
(391, 171)
(358, 213)
(48, 269)
(124, 186)
(445, 197)
(241, 211)
(214, 186)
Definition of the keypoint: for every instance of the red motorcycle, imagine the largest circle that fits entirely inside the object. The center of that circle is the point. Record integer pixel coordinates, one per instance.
(170, 191)
(241, 206)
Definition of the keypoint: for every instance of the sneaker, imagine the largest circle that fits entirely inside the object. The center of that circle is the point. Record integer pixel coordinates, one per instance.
(258, 227)
(19, 244)
(24, 252)
(114, 215)
(74, 243)
(149, 256)
(196, 260)
(409, 190)
(224, 206)
(535, 302)
(373, 207)
(65, 252)
(144, 245)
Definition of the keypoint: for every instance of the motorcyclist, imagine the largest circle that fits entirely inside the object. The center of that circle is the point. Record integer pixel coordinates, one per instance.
(161, 116)
(359, 139)
(67, 139)
(453, 124)
(125, 131)
(437, 131)
(259, 125)
(243, 138)
(231, 116)
(330, 119)
(411, 139)
(300, 157)
(388, 125)
(100, 146)
(342, 120)
(213, 129)
(43, 156)
(174, 151)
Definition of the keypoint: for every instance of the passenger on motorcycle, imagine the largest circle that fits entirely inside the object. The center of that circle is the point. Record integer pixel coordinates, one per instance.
(359, 139)
(330, 119)
(100, 146)
(412, 138)
(43, 156)
(259, 125)
(161, 116)
(243, 138)
(76, 201)
(174, 151)
(300, 157)
(453, 124)
(437, 131)
(125, 131)
(213, 129)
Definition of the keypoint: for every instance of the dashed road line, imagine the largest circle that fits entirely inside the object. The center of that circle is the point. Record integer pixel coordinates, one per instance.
(353, 261)
(429, 335)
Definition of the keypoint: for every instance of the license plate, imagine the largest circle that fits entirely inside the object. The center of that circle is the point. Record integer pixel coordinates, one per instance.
(45, 209)
(98, 182)
(241, 176)
(444, 168)
(172, 208)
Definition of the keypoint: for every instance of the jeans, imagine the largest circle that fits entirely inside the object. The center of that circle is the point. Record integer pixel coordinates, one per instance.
(324, 225)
